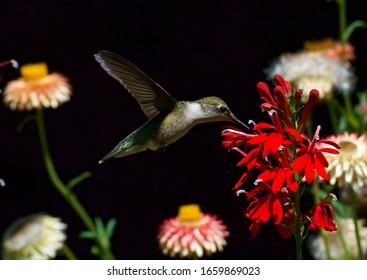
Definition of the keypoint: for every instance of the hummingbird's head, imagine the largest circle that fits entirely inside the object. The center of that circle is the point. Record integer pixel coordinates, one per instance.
(215, 109)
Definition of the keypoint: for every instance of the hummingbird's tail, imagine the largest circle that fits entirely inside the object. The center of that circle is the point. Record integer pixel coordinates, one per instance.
(121, 151)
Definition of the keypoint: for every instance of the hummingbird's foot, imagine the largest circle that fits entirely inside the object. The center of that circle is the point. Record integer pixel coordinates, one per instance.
(162, 148)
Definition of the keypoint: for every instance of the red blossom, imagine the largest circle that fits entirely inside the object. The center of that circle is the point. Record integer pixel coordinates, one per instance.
(312, 99)
(268, 100)
(268, 205)
(234, 138)
(322, 216)
(285, 85)
(286, 226)
(278, 151)
(279, 176)
(255, 227)
(311, 158)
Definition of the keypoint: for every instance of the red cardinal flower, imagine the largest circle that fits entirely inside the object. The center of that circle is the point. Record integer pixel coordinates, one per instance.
(278, 151)
(287, 224)
(279, 176)
(311, 158)
(234, 138)
(322, 215)
(268, 205)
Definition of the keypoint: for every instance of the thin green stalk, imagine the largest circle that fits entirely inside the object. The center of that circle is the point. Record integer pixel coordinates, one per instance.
(342, 240)
(350, 113)
(355, 221)
(333, 115)
(342, 7)
(68, 194)
(68, 253)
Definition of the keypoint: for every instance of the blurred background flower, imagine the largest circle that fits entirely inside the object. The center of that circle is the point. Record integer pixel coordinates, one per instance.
(36, 89)
(320, 69)
(34, 237)
(349, 167)
(192, 234)
(339, 248)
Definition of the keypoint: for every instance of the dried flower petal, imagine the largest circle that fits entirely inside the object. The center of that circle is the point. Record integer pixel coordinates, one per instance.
(33, 237)
(192, 234)
(37, 89)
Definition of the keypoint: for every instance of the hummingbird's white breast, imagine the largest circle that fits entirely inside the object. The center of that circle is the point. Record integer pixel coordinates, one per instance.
(193, 112)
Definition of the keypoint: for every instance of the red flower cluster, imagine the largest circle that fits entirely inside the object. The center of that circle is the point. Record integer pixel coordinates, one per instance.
(282, 155)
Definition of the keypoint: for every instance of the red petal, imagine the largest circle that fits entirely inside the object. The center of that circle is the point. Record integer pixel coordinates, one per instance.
(291, 182)
(242, 180)
(285, 232)
(330, 143)
(257, 139)
(255, 228)
(322, 158)
(260, 126)
(277, 211)
(329, 150)
(294, 133)
(278, 181)
(279, 80)
(267, 175)
(309, 171)
(321, 169)
(300, 163)
(259, 209)
(263, 89)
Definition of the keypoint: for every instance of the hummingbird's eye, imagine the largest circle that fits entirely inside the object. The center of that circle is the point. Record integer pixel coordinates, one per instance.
(223, 109)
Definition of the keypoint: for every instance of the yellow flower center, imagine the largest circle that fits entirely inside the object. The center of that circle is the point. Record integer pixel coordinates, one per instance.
(348, 147)
(34, 71)
(314, 46)
(189, 212)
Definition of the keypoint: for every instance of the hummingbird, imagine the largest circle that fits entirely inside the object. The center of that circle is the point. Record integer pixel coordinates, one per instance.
(168, 119)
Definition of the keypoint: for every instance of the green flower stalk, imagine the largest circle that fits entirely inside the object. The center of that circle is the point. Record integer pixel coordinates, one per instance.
(35, 90)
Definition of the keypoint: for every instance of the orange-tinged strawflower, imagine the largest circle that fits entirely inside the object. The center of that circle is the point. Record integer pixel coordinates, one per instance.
(37, 89)
(192, 234)
(322, 65)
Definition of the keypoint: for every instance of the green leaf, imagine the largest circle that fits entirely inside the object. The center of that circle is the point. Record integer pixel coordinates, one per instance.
(110, 227)
(99, 225)
(351, 27)
(95, 250)
(101, 232)
(20, 127)
(87, 235)
(78, 179)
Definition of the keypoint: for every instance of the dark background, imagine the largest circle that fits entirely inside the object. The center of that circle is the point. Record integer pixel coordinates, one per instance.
(193, 49)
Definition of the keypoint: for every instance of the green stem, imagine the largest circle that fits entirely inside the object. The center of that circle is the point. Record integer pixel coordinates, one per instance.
(342, 240)
(350, 113)
(68, 253)
(333, 115)
(68, 195)
(342, 19)
(355, 221)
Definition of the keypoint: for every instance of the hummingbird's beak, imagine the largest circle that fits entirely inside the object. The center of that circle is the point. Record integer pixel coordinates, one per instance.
(236, 120)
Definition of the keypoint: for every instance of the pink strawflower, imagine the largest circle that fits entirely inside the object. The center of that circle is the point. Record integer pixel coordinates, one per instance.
(192, 234)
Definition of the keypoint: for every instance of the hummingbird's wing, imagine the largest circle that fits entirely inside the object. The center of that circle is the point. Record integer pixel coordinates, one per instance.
(152, 98)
